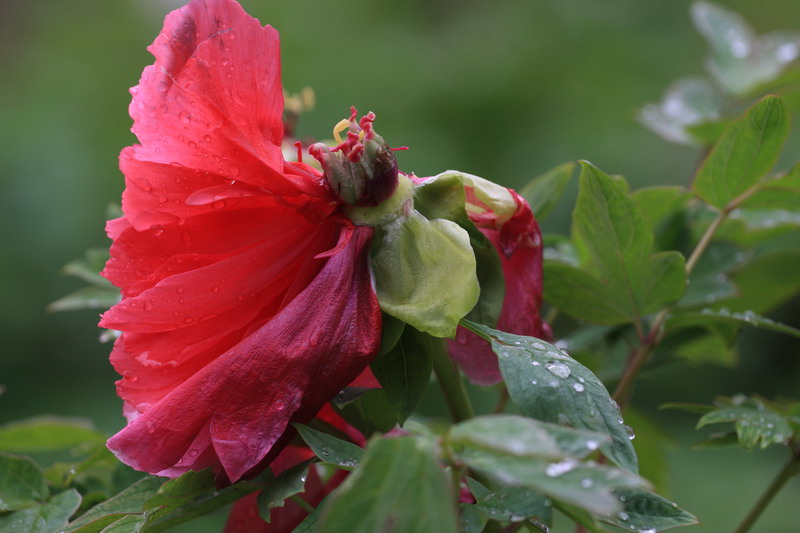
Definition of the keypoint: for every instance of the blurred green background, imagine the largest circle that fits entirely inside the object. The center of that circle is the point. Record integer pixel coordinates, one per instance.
(502, 89)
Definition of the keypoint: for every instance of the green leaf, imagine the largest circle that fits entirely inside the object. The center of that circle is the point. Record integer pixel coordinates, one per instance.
(780, 192)
(644, 511)
(687, 102)
(515, 504)
(707, 349)
(543, 192)
(331, 450)
(391, 330)
(276, 489)
(126, 524)
(404, 372)
(547, 384)
(581, 295)
(520, 436)
(86, 298)
(659, 202)
(22, 482)
(740, 60)
(710, 316)
(399, 486)
(518, 452)
(369, 412)
(43, 517)
(47, 433)
(444, 197)
(618, 245)
(129, 501)
(710, 280)
(88, 268)
(191, 495)
(747, 150)
(425, 273)
(757, 423)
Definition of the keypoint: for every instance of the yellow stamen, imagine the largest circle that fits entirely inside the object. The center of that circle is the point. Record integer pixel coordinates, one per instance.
(342, 125)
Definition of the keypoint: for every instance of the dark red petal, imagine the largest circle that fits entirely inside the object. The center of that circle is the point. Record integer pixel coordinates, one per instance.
(154, 363)
(518, 242)
(242, 402)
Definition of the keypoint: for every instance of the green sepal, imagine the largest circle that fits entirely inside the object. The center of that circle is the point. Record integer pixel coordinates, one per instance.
(425, 272)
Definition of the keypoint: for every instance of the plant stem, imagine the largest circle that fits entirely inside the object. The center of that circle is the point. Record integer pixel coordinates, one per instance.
(653, 338)
(705, 240)
(455, 394)
(502, 402)
(307, 507)
(790, 469)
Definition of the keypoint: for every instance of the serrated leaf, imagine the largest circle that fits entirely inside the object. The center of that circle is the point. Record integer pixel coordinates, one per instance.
(687, 102)
(42, 517)
(129, 501)
(645, 511)
(404, 372)
(549, 385)
(400, 486)
(543, 192)
(756, 422)
(276, 489)
(617, 243)
(86, 298)
(47, 433)
(710, 316)
(22, 482)
(746, 152)
(331, 450)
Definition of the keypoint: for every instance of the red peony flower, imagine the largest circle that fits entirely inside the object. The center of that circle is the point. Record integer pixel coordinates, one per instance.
(248, 294)
(247, 300)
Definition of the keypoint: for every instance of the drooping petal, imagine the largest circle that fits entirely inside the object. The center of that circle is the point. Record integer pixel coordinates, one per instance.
(236, 407)
(518, 241)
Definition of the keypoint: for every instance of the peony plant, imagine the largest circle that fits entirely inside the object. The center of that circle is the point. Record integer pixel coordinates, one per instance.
(282, 306)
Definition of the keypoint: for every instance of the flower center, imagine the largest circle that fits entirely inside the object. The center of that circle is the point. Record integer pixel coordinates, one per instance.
(361, 169)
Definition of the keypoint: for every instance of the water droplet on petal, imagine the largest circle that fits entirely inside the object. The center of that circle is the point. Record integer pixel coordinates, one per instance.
(143, 184)
(148, 306)
(207, 138)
